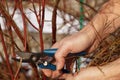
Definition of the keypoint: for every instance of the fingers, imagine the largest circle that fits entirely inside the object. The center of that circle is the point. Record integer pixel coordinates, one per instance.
(60, 55)
(67, 77)
(47, 72)
(52, 74)
(63, 50)
(57, 75)
(60, 60)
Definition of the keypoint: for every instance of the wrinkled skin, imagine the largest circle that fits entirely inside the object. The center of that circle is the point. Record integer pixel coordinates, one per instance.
(87, 39)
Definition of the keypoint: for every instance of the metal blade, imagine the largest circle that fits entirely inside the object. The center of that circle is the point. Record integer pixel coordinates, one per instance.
(24, 55)
(25, 61)
(33, 57)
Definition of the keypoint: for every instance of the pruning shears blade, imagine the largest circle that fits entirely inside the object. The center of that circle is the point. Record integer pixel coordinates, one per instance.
(37, 58)
(24, 55)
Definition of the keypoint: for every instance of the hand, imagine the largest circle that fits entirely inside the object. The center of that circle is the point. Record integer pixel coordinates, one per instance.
(75, 43)
(90, 73)
(109, 71)
(105, 22)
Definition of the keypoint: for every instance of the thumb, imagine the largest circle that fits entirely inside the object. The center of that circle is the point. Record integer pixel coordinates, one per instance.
(60, 55)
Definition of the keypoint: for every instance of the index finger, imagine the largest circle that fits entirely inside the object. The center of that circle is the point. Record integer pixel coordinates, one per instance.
(60, 55)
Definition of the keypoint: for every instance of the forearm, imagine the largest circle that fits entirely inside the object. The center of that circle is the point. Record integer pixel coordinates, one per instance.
(106, 21)
(111, 12)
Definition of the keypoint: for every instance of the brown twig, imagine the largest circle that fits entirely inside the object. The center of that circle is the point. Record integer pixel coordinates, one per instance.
(41, 24)
(6, 54)
(17, 72)
(54, 22)
(88, 6)
(12, 23)
(24, 25)
(25, 36)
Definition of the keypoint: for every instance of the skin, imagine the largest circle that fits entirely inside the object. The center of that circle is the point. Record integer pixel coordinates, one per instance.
(105, 22)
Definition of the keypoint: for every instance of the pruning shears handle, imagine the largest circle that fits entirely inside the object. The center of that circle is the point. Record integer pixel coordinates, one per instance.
(52, 67)
(49, 66)
(51, 53)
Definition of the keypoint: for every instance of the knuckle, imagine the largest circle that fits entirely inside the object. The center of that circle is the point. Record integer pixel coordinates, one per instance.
(58, 56)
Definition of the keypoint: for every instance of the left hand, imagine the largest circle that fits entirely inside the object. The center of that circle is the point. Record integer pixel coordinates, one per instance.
(109, 71)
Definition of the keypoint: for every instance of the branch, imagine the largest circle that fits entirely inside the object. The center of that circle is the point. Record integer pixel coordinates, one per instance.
(11, 21)
(54, 22)
(6, 55)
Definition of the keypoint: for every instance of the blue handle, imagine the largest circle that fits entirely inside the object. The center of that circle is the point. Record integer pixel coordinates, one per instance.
(49, 66)
(51, 52)
(52, 67)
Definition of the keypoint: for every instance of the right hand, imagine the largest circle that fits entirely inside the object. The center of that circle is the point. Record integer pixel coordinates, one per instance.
(77, 42)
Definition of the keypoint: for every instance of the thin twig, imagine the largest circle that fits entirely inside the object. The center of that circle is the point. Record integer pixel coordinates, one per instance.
(41, 24)
(88, 6)
(54, 16)
(12, 23)
(6, 54)
(24, 25)
(17, 72)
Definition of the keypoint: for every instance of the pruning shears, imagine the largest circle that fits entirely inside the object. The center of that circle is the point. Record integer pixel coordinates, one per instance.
(43, 59)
